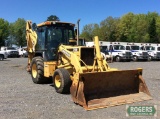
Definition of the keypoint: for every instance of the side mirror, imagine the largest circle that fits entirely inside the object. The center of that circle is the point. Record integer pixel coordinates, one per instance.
(40, 29)
(34, 26)
(75, 31)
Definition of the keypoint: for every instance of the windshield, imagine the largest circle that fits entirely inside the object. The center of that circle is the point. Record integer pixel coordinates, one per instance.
(11, 48)
(158, 48)
(119, 47)
(81, 42)
(60, 35)
(149, 48)
(135, 47)
(103, 48)
(50, 37)
(128, 47)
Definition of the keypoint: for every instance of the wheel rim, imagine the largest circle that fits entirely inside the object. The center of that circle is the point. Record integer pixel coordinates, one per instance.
(57, 81)
(34, 70)
(149, 58)
(117, 59)
(135, 58)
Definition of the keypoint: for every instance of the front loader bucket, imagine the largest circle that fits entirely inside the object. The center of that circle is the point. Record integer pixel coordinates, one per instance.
(105, 89)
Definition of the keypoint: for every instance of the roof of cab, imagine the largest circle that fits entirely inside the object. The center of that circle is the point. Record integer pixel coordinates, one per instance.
(54, 22)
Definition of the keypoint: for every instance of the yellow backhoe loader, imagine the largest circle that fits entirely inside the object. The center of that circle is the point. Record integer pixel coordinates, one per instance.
(81, 70)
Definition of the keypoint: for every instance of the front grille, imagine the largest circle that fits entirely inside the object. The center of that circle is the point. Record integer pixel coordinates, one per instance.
(158, 54)
(14, 52)
(145, 53)
(128, 54)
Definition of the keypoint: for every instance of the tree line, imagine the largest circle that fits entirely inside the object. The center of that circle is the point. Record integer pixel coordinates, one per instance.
(128, 28)
(14, 33)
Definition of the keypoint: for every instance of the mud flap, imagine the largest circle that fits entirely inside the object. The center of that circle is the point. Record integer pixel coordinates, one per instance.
(105, 89)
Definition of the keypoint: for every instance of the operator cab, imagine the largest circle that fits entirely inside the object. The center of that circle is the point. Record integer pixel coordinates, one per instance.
(50, 35)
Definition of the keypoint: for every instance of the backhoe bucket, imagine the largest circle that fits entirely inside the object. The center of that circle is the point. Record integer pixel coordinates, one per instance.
(105, 89)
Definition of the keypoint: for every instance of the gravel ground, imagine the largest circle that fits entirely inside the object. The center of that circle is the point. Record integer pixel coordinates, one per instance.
(20, 98)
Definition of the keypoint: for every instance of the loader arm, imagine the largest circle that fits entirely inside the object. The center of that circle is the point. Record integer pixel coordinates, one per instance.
(74, 58)
(105, 86)
(70, 59)
(102, 64)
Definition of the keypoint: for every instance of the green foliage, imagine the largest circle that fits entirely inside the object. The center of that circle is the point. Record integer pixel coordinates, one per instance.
(129, 28)
(108, 28)
(53, 18)
(141, 28)
(4, 31)
(18, 31)
(87, 32)
(152, 31)
(14, 33)
(158, 28)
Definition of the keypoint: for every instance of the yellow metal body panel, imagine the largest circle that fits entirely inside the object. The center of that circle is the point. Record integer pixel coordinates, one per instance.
(49, 68)
(31, 37)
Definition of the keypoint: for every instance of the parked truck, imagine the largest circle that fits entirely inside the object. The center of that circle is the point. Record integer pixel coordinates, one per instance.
(118, 51)
(153, 51)
(137, 52)
(3, 54)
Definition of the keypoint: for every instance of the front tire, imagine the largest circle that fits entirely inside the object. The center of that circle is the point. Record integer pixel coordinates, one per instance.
(37, 70)
(135, 58)
(150, 58)
(62, 81)
(118, 59)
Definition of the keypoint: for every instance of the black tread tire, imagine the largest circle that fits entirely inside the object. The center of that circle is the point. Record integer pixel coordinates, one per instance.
(65, 81)
(150, 58)
(135, 58)
(118, 59)
(39, 79)
(1, 57)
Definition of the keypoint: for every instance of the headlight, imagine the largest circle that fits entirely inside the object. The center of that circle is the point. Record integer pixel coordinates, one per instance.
(121, 53)
(8, 53)
(140, 53)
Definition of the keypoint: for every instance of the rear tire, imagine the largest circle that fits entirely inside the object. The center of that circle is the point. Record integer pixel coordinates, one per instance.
(1, 57)
(62, 81)
(37, 70)
(24, 55)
